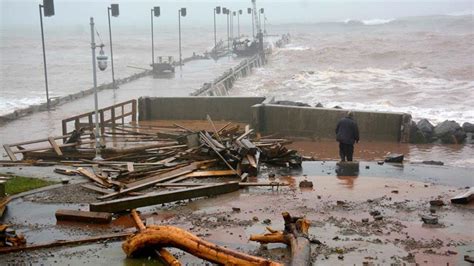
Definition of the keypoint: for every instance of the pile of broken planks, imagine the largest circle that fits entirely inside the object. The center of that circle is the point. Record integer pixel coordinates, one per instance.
(152, 163)
(225, 152)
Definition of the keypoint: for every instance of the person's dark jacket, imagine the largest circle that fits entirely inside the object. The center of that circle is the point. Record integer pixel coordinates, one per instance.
(347, 131)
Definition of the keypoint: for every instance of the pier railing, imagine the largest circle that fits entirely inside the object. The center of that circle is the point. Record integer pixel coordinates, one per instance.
(117, 114)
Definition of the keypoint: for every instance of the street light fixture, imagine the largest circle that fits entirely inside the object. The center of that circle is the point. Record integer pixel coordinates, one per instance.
(155, 11)
(102, 63)
(249, 11)
(261, 12)
(181, 12)
(225, 11)
(48, 8)
(115, 13)
(238, 23)
(217, 10)
(232, 23)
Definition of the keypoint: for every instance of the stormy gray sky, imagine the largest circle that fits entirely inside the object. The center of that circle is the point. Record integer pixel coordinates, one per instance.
(23, 14)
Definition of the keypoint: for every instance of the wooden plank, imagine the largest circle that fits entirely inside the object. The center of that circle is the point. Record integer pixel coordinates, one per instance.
(83, 216)
(164, 197)
(63, 171)
(245, 134)
(93, 177)
(464, 198)
(10, 152)
(55, 146)
(150, 181)
(241, 184)
(211, 173)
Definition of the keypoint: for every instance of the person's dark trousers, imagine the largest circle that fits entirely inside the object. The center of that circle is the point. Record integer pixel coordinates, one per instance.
(346, 151)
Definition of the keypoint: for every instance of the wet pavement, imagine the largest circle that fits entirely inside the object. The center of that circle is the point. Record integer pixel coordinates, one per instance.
(187, 79)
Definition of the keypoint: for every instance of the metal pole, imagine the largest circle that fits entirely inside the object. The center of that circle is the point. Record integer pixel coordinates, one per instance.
(96, 100)
(44, 58)
(253, 25)
(228, 36)
(215, 34)
(111, 50)
(238, 25)
(152, 42)
(179, 25)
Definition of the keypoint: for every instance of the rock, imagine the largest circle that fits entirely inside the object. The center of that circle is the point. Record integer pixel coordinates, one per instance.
(341, 203)
(378, 217)
(380, 162)
(468, 127)
(255, 219)
(271, 175)
(449, 132)
(337, 107)
(335, 238)
(426, 128)
(395, 191)
(320, 105)
(235, 209)
(341, 257)
(433, 162)
(306, 184)
(267, 221)
(292, 103)
(367, 167)
(428, 219)
(64, 181)
(416, 135)
(394, 158)
(469, 258)
(437, 202)
(365, 220)
(374, 213)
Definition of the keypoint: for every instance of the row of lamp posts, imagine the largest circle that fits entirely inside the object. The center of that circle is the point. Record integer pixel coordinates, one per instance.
(48, 10)
(225, 11)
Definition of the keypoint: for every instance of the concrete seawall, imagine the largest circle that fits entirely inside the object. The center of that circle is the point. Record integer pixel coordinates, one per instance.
(71, 97)
(222, 84)
(288, 121)
(196, 108)
(320, 123)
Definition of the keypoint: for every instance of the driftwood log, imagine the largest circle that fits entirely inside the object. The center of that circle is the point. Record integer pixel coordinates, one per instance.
(295, 235)
(158, 237)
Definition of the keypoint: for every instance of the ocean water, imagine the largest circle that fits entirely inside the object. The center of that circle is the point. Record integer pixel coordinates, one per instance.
(419, 65)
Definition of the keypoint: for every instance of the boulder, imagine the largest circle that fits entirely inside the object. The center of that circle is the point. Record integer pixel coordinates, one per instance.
(449, 132)
(426, 128)
(291, 103)
(416, 135)
(319, 105)
(468, 127)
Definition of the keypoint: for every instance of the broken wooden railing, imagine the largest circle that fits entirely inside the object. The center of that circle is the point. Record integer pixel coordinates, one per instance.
(19, 148)
(116, 114)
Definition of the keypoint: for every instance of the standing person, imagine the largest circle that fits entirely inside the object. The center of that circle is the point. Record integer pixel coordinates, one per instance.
(347, 133)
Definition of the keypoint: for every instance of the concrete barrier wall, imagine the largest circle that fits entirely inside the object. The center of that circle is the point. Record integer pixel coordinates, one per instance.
(196, 108)
(320, 123)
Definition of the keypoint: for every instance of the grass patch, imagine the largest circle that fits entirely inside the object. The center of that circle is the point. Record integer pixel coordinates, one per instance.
(18, 184)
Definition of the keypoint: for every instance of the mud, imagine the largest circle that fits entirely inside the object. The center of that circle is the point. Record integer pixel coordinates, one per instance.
(339, 207)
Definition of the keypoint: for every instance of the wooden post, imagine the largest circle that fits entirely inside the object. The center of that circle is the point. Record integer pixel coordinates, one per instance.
(134, 110)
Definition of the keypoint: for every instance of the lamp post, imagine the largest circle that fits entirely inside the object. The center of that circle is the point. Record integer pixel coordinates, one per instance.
(259, 17)
(232, 23)
(217, 10)
(102, 63)
(238, 23)
(115, 13)
(48, 8)
(249, 11)
(155, 11)
(225, 11)
(181, 12)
